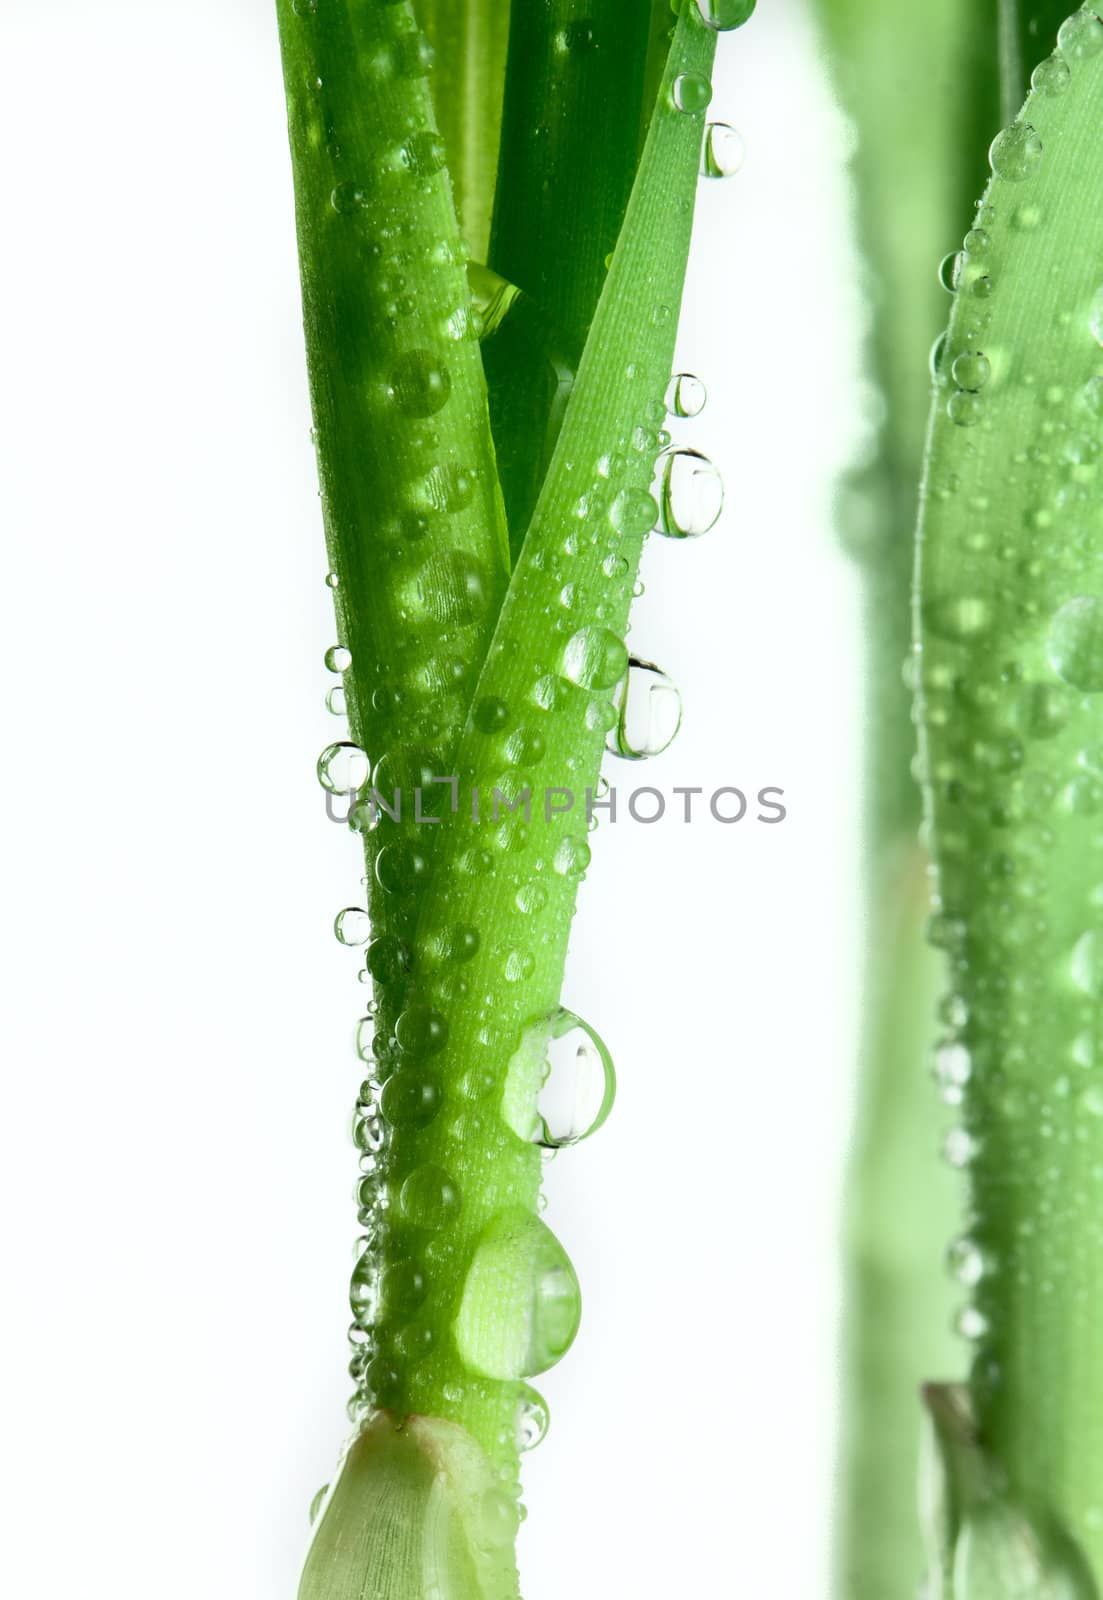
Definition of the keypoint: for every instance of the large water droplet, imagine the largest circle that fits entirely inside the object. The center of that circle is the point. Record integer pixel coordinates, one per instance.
(420, 383)
(1075, 643)
(560, 1083)
(352, 926)
(724, 15)
(594, 658)
(1015, 153)
(1080, 36)
(430, 1198)
(649, 712)
(724, 151)
(691, 494)
(685, 397)
(343, 768)
(521, 1303)
(338, 658)
(691, 92)
(633, 513)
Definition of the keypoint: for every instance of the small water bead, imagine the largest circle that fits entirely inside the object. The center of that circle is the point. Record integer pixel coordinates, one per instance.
(1016, 152)
(1080, 36)
(723, 15)
(685, 397)
(352, 926)
(648, 711)
(525, 747)
(560, 1082)
(491, 715)
(572, 857)
(1075, 643)
(332, 580)
(449, 488)
(364, 1289)
(399, 867)
(971, 1324)
(343, 768)
(959, 1147)
(691, 92)
(348, 198)
(594, 658)
(964, 408)
(410, 1099)
(1051, 76)
(424, 154)
(531, 898)
(317, 1503)
(430, 1198)
(633, 513)
(420, 383)
(521, 1303)
(948, 270)
(389, 958)
(414, 55)
(952, 1065)
(421, 1030)
(971, 370)
(1086, 965)
(337, 701)
(724, 151)
(691, 494)
(533, 1419)
(965, 1262)
(338, 658)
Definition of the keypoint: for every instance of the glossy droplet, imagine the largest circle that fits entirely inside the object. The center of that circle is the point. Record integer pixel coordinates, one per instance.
(533, 1419)
(521, 1304)
(691, 494)
(424, 154)
(348, 198)
(691, 92)
(364, 1289)
(949, 269)
(633, 513)
(724, 151)
(965, 1262)
(343, 768)
(429, 1198)
(952, 1069)
(572, 857)
(410, 1099)
(421, 1030)
(352, 926)
(971, 370)
(685, 397)
(1016, 152)
(965, 409)
(317, 1502)
(337, 658)
(1051, 76)
(1080, 36)
(959, 1147)
(1075, 643)
(560, 1082)
(723, 15)
(420, 383)
(337, 701)
(594, 658)
(649, 712)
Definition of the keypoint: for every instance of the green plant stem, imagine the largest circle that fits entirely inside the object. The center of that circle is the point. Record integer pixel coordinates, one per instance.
(469, 38)
(570, 141)
(896, 73)
(496, 909)
(1010, 730)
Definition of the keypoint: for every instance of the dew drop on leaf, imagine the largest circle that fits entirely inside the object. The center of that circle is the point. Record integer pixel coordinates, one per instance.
(1075, 643)
(691, 92)
(560, 1082)
(1015, 153)
(723, 15)
(1080, 36)
(594, 658)
(648, 712)
(971, 370)
(343, 768)
(352, 926)
(533, 1419)
(337, 658)
(724, 151)
(633, 512)
(691, 494)
(521, 1304)
(420, 383)
(685, 397)
(429, 1198)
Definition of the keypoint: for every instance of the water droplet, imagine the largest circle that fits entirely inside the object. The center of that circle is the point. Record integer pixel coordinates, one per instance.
(724, 152)
(491, 715)
(965, 1262)
(633, 513)
(424, 154)
(337, 658)
(352, 926)
(685, 397)
(1086, 965)
(337, 701)
(420, 383)
(403, 1288)
(952, 1066)
(421, 1031)
(1015, 153)
(964, 408)
(959, 1147)
(1051, 76)
(388, 958)
(572, 857)
(560, 1082)
(971, 1324)
(414, 55)
(343, 768)
(429, 1198)
(594, 658)
(410, 1099)
(348, 198)
(648, 712)
(316, 1503)
(364, 1289)
(723, 15)
(1080, 36)
(959, 617)
(971, 370)
(533, 1419)
(691, 92)
(400, 866)
(691, 494)
(332, 580)
(521, 1303)
(1075, 643)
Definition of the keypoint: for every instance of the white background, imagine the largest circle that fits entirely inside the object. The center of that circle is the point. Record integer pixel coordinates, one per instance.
(175, 1172)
